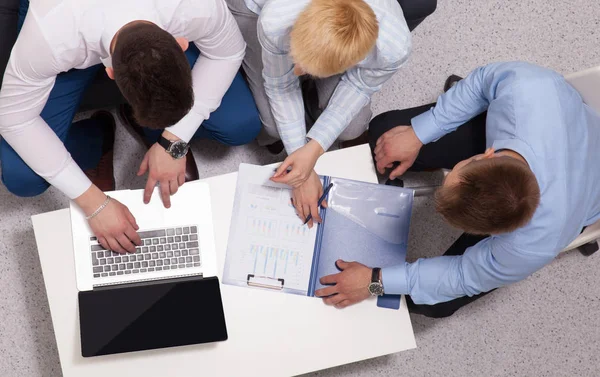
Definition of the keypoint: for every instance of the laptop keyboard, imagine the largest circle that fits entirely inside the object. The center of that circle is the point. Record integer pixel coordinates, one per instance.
(163, 249)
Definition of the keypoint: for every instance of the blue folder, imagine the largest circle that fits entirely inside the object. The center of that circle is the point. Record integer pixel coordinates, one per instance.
(366, 223)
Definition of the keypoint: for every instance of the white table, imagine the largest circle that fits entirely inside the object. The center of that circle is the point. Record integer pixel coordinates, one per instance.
(270, 334)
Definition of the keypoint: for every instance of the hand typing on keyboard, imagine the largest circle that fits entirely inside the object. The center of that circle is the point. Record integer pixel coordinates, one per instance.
(116, 228)
(165, 249)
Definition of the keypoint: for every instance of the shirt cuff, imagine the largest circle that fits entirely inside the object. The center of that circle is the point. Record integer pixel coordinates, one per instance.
(393, 279)
(187, 126)
(324, 141)
(293, 145)
(71, 181)
(425, 127)
(293, 135)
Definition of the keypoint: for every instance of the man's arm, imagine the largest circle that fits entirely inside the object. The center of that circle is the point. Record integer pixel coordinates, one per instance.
(352, 94)
(472, 96)
(283, 89)
(222, 50)
(28, 81)
(489, 264)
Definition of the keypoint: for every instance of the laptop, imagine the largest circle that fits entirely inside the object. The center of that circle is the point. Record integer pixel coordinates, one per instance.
(131, 302)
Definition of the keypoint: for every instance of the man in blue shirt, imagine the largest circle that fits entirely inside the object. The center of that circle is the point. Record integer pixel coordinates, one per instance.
(523, 186)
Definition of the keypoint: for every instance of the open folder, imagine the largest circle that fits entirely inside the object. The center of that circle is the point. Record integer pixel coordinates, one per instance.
(270, 248)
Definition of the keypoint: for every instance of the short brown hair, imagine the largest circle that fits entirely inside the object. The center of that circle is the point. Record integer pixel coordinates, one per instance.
(492, 196)
(153, 73)
(330, 36)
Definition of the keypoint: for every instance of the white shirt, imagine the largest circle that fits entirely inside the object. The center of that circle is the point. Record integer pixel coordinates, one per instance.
(354, 91)
(59, 35)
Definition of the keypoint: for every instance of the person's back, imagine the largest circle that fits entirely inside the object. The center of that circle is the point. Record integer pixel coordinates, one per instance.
(558, 135)
(174, 61)
(96, 22)
(523, 183)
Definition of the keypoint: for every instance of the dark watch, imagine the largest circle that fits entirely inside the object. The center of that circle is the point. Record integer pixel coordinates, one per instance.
(376, 286)
(177, 149)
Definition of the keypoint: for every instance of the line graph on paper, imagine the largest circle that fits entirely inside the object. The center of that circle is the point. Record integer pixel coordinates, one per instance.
(278, 263)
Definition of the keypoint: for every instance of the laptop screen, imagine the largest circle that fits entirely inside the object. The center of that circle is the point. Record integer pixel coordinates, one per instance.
(151, 315)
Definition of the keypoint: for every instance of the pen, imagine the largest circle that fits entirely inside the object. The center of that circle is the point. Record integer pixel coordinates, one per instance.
(319, 202)
(289, 169)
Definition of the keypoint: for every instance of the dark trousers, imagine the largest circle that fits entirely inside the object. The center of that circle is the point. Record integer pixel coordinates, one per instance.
(467, 141)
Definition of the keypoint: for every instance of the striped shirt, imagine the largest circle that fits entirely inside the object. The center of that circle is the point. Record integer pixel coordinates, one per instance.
(276, 18)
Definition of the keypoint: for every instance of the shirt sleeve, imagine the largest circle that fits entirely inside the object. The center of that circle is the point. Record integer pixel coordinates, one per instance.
(282, 87)
(467, 99)
(222, 49)
(353, 92)
(28, 81)
(489, 264)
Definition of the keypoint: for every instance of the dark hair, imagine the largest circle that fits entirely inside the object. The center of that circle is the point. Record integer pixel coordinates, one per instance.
(492, 196)
(153, 73)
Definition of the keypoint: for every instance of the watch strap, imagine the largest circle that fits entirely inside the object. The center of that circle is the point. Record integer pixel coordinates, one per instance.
(163, 142)
(375, 275)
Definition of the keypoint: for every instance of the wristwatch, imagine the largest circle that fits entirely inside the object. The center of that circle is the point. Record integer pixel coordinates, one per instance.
(376, 286)
(177, 149)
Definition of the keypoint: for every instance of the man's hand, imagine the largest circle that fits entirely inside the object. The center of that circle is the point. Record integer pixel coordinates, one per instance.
(115, 227)
(347, 287)
(301, 162)
(398, 144)
(164, 169)
(305, 198)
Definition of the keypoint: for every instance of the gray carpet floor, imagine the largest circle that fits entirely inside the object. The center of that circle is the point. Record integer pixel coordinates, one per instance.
(546, 325)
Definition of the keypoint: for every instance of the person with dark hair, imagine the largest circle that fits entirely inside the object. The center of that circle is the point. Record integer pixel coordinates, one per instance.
(176, 62)
(523, 149)
(153, 74)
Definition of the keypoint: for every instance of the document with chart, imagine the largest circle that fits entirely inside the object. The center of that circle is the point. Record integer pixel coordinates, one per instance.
(270, 248)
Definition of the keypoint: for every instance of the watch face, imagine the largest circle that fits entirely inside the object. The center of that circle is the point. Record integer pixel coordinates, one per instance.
(178, 149)
(376, 289)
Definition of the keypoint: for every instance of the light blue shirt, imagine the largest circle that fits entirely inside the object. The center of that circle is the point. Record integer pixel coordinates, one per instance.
(536, 113)
(358, 84)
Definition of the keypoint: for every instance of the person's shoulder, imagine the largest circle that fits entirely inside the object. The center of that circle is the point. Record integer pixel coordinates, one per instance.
(193, 8)
(545, 234)
(278, 17)
(394, 42)
(520, 71)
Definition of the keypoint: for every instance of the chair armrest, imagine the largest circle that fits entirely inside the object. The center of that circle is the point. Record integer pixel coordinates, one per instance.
(590, 234)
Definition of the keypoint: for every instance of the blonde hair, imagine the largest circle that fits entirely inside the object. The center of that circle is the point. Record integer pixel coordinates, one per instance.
(331, 36)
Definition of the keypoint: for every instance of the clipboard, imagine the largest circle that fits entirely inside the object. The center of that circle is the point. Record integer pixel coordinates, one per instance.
(265, 282)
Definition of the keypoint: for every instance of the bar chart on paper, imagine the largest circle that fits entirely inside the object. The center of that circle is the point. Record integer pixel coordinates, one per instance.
(273, 246)
(276, 263)
(294, 232)
(261, 227)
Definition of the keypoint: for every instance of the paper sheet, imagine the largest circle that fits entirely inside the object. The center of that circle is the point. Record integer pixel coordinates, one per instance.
(267, 239)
